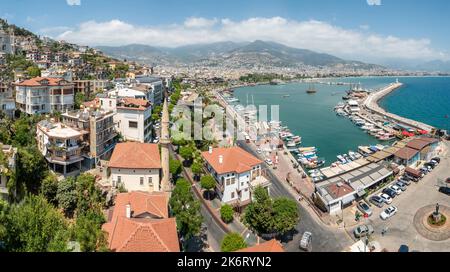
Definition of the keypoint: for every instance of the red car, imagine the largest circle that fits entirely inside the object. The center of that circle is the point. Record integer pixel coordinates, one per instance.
(448, 180)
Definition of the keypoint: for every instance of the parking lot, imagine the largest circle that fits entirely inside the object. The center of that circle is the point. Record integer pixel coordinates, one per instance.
(400, 227)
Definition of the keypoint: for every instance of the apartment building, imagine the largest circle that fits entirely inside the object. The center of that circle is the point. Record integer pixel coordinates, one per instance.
(89, 87)
(7, 167)
(7, 101)
(42, 95)
(133, 119)
(6, 42)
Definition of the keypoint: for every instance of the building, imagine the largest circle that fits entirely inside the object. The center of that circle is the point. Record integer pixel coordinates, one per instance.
(336, 193)
(89, 87)
(237, 173)
(42, 95)
(136, 167)
(62, 146)
(139, 222)
(6, 42)
(134, 119)
(8, 158)
(417, 150)
(267, 247)
(102, 136)
(7, 101)
(155, 88)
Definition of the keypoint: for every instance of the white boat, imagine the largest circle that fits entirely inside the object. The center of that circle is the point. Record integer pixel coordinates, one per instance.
(341, 159)
(291, 144)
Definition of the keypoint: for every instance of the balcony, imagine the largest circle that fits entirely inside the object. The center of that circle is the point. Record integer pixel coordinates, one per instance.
(259, 181)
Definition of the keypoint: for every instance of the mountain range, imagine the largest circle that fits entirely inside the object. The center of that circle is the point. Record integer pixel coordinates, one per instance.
(232, 54)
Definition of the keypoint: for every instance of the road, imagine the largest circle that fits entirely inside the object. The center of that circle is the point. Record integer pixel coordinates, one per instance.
(325, 238)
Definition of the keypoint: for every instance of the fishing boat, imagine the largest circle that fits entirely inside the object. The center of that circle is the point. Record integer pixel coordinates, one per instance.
(341, 159)
(311, 90)
(308, 149)
(291, 144)
(232, 99)
(297, 139)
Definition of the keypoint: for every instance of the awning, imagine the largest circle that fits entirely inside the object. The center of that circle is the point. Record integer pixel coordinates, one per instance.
(348, 199)
(361, 193)
(413, 172)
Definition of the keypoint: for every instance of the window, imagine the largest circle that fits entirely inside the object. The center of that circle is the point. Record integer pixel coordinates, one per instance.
(150, 181)
(142, 181)
(119, 179)
(132, 124)
(232, 195)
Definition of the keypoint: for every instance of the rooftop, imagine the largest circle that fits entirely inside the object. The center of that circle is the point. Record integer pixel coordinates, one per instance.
(133, 104)
(59, 130)
(133, 155)
(269, 246)
(234, 160)
(147, 229)
(406, 153)
(44, 81)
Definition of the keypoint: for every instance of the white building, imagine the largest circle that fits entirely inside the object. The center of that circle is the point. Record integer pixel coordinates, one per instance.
(133, 119)
(6, 42)
(237, 173)
(136, 166)
(44, 95)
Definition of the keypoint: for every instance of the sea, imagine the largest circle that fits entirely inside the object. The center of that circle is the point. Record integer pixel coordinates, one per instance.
(311, 116)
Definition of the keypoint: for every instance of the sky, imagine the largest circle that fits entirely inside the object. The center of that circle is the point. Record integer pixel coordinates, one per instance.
(367, 30)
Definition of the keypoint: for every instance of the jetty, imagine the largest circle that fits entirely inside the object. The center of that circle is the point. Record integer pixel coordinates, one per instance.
(371, 103)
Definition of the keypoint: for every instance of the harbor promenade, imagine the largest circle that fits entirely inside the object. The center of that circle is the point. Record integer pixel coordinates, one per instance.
(371, 103)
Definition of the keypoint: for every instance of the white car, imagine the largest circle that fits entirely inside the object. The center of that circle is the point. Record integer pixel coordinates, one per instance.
(386, 199)
(259, 151)
(388, 213)
(269, 161)
(396, 189)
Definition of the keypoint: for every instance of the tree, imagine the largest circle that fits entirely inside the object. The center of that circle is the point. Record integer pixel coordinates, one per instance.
(88, 232)
(174, 167)
(79, 99)
(35, 226)
(197, 169)
(226, 213)
(286, 215)
(186, 209)
(267, 216)
(33, 71)
(208, 183)
(89, 197)
(232, 242)
(187, 153)
(49, 188)
(31, 169)
(67, 195)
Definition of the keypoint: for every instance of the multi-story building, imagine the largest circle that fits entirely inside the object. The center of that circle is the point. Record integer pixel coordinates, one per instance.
(133, 119)
(7, 101)
(7, 167)
(237, 174)
(42, 95)
(136, 167)
(101, 133)
(155, 85)
(6, 42)
(88, 87)
(62, 146)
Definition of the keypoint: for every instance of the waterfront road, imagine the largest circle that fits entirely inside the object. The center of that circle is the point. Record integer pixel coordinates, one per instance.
(325, 238)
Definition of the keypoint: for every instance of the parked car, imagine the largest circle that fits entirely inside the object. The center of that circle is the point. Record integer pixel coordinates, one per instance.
(407, 182)
(387, 199)
(415, 179)
(377, 201)
(401, 185)
(269, 161)
(436, 159)
(424, 170)
(445, 190)
(403, 248)
(259, 151)
(364, 208)
(435, 163)
(306, 241)
(429, 165)
(363, 231)
(390, 192)
(396, 189)
(388, 213)
(448, 180)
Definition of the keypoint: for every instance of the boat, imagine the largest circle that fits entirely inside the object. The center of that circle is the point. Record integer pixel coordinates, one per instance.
(341, 159)
(232, 99)
(311, 90)
(291, 144)
(286, 95)
(308, 149)
(297, 139)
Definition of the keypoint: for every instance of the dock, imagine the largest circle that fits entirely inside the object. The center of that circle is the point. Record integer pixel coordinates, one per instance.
(371, 103)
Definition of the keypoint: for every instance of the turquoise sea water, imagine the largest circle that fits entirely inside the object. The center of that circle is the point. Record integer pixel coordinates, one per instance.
(312, 116)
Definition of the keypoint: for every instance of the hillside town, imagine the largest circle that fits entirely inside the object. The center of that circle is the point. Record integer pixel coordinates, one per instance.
(88, 145)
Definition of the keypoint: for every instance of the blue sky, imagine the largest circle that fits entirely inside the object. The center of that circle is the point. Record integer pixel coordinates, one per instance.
(403, 29)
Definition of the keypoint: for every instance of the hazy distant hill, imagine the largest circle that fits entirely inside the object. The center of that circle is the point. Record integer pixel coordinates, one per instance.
(436, 65)
(231, 54)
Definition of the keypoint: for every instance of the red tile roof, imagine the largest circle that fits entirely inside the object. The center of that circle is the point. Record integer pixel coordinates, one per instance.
(235, 159)
(93, 103)
(269, 246)
(133, 104)
(148, 230)
(38, 81)
(133, 155)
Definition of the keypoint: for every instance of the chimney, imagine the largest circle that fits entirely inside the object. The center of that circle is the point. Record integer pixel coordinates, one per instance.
(128, 210)
(210, 149)
(220, 159)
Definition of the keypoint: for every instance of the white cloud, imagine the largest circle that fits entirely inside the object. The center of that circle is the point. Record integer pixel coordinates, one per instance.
(73, 2)
(314, 35)
(364, 27)
(374, 2)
